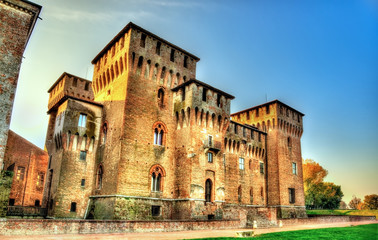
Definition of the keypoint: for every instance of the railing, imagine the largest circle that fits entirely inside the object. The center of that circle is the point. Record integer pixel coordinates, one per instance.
(213, 146)
(26, 211)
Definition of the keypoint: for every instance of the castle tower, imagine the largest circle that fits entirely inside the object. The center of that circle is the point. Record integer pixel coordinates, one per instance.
(284, 129)
(71, 142)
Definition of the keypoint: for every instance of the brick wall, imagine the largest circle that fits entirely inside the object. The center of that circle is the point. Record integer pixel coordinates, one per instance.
(17, 21)
(42, 226)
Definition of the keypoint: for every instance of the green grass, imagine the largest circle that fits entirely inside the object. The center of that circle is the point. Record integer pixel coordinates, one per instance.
(344, 212)
(360, 232)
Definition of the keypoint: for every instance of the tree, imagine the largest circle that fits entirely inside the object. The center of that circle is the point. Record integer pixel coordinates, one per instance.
(343, 205)
(355, 202)
(371, 201)
(319, 194)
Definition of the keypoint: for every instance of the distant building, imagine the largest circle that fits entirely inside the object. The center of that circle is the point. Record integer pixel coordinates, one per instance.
(17, 19)
(147, 140)
(28, 163)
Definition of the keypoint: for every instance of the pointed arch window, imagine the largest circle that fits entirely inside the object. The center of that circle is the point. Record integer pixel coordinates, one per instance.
(208, 190)
(159, 133)
(157, 174)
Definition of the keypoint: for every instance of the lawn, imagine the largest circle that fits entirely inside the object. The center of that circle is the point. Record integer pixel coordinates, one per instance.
(362, 232)
(344, 212)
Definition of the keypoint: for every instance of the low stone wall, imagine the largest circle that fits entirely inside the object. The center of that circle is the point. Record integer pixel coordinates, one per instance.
(319, 219)
(55, 226)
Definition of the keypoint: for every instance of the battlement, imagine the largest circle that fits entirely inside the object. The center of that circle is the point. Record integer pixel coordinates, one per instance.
(72, 86)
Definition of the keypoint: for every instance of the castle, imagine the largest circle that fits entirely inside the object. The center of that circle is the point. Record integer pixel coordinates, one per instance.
(147, 140)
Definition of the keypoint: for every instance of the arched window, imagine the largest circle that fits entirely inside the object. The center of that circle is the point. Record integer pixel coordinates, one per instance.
(159, 133)
(208, 190)
(100, 173)
(161, 97)
(157, 174)
(104, 132)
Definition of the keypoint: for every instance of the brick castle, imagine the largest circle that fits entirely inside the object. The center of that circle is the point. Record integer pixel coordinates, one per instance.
(147, 140)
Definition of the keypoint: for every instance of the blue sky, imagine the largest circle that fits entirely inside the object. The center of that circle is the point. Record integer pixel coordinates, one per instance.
(320, 57)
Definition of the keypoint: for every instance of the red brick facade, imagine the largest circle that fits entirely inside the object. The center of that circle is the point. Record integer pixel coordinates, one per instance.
(159, 144)
(28, 163)
(17, 19)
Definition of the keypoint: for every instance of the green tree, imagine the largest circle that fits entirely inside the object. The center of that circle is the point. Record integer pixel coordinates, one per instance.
(319, 194)
(5, 187)
(371, 202)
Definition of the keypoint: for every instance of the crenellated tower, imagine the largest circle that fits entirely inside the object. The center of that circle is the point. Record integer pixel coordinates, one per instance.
(284, 128)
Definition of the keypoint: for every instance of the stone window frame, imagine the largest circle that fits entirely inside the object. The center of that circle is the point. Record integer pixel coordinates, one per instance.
(156, 176)
(291, 195)
(294, 168)
(159, 133)
(210, 157)
(241, 163)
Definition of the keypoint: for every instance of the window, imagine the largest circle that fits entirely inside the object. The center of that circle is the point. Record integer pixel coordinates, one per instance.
(267, 109)
(262, 167)
(204, 97)
(161, 97)
(155, 211)
(241, 163)
(289, 142)
(159, 134)
(82, 120)
(104, 132)
(291, 195)
(239, 194)
(257, 112)
(247, 115)
(185, 61)
(11, 201)
(82, 182)
(218, 100)
(172, 55)
(251, 196)
(20, 173)
(100, 172)
(37, 203)
(86, 87)
(143, 40)
(210, 140)
(208, 190)
(156, 179)
(83, 155)
(73, 207)
(40, 179)
(262, 193)
(158, 45)
(236, 129)
(74, 82)
(294, 166)
(210, 157)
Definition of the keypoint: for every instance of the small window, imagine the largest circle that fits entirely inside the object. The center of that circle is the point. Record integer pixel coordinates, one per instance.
(210, 140)
(210, 157)
(158, 45)
(267, 109)
(82, 120)
(100, 172)
(86, 88)
(262, 167)
(83, 155)
(40, 179)
(247, 115)
(257, 112)
(294, 166)
(172, 55)
(291, 195)
(218, 100)
(185, 61)
(241, 163)
(37, 203)
(156, 179)
(159, 135)
(155, 211)
(208, 190)
(236, 128)
(11, 201)
(204, 92)
(74, 82)
(161, 97)
(73, 207)
(82, 182)
(251, 196)
(143, 40)
(289, 142)
(20, 173)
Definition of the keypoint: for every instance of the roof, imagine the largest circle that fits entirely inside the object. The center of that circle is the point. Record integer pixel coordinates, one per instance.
(66, 74)
(134, 26)
(203, 84)
(268, 103)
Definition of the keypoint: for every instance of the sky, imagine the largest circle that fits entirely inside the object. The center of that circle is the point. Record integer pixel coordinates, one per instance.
(318, 56)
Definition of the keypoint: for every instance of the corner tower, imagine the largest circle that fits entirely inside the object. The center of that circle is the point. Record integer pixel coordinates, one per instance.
(284, 129)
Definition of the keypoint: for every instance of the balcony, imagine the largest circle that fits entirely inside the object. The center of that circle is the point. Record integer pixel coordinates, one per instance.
(214, 146)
